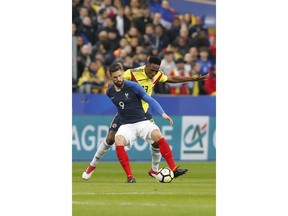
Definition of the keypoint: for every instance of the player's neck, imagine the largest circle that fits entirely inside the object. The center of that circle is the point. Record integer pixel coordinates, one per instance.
(118, 88)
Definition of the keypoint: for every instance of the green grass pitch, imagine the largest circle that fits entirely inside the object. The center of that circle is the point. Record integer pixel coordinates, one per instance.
(106, 193)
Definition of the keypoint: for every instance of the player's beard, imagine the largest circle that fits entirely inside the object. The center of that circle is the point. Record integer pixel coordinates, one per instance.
(119, 84)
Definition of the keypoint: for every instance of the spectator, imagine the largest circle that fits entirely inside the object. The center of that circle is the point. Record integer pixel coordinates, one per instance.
(200, 39)
(174, 47)
(75, 12)
(153, 51)
(128, 63)
(141, 58)
(121, 57)
(92, 13)
(168, 63)
(154, 5)
(210, 83)
(148, 35)
(128, 49)
(123, 23)
(123, 42)
(102, 38)
(179, 88)
(199, 26)
(83, 59)
(102, 15)
(74, 29)
(187, 20)
(87, 32)
(194, 53)
(93, 79)
(167, 13)
(145, 19)
(83, 12)
(212, 49)
(204, 62)
(175, 29)
(183, 40)
(110, 24)
(133, 33)
(113, 39)
(136, 12)
(187, 62)
(80, 43)
(110, 9)
(197, 86)
(160, 40)
(128, 13)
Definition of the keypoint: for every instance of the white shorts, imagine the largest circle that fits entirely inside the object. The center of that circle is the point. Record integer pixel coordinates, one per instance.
(141, 129)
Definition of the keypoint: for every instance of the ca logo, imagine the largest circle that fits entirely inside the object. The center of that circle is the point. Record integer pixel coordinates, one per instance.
(194, 135)
(194, 144)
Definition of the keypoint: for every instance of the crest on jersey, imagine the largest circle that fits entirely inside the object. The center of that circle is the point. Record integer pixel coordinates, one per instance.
(126, 94)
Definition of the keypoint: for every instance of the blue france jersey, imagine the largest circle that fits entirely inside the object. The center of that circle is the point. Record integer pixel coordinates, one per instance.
(128, 102)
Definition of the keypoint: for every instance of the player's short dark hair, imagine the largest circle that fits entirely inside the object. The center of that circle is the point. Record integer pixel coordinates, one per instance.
(114, 67)
(154, 60)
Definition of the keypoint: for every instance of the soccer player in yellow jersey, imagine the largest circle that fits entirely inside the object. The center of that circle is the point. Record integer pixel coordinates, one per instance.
(147, 76)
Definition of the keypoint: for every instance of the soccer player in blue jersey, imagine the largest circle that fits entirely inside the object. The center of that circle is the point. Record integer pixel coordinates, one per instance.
(127, 96)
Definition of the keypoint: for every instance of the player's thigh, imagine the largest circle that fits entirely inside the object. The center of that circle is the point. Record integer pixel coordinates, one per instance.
(115, 124)
(128, 131)
(145, 129)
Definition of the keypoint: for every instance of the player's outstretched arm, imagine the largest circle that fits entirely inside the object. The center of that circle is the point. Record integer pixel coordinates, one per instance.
(180, 79)
(156, 106)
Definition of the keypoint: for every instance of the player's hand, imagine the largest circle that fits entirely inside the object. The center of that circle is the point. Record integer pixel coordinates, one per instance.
(200, 77)
(165, 116)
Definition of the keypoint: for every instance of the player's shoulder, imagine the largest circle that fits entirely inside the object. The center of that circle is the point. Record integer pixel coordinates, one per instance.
(109, 90)
(160, 72)
(133, 85)
(138, 69)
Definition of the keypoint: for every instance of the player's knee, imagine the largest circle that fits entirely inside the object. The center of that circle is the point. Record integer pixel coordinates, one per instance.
(110, 141)
(110, 138)
(156, 135)
(120, 140)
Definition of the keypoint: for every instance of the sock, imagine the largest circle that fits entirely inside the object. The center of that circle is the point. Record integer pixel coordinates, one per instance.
(102, 149)
(90, 169)
(156, 158)
(166, 153)
(124, 160)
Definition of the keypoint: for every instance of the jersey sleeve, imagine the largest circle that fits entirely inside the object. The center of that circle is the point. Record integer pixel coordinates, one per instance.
(144, 96)
(163, 78)
(154, 104)
(127, 75)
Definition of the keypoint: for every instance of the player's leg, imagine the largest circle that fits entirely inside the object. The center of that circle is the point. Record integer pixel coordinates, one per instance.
(125, 136)
(103, 147)
(156, 158)
(166, 152)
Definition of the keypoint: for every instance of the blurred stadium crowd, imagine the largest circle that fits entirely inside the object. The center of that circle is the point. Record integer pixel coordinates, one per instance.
(129, 31)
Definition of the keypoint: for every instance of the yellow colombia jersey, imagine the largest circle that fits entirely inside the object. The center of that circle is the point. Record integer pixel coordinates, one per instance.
(138, 75)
